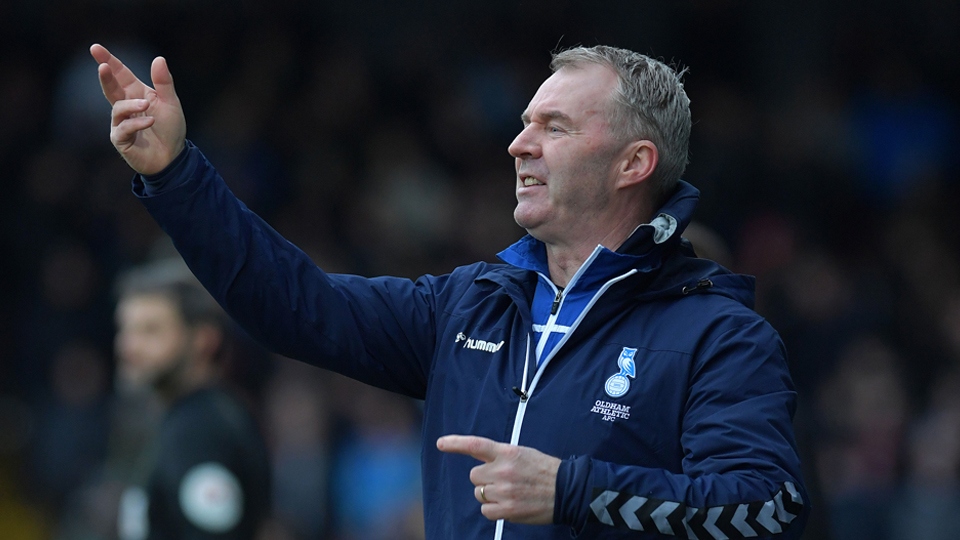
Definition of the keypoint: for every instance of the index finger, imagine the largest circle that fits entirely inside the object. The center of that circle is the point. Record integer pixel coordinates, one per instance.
(477, 447)
(117, 81)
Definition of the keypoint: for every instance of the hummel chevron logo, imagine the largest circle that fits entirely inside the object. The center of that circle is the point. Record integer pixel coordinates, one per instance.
(478, 344)
(731, 521)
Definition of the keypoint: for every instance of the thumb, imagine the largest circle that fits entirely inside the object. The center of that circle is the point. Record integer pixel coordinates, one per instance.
(477, 447)
(162, 80)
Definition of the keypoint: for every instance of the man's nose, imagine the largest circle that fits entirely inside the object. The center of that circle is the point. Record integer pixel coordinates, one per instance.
(524, 145)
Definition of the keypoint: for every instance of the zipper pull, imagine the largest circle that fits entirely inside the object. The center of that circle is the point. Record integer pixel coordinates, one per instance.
(556, 302)
(702, 284)
(521, 393)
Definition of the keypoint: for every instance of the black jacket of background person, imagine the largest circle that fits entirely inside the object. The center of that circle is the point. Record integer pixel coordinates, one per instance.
(202, 434)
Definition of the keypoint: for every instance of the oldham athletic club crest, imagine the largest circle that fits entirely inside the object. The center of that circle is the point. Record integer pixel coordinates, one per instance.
(618, 384)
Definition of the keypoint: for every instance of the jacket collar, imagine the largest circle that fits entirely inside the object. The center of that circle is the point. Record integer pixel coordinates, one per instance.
(644, 250)
(665, 267)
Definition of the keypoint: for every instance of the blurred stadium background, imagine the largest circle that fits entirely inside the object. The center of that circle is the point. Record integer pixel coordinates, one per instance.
(373, 134)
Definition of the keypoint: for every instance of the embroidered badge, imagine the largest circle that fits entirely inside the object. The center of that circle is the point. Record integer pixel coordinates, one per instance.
(618, 384)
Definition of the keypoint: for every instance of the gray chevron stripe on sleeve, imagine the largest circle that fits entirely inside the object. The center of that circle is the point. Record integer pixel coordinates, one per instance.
(726, 522)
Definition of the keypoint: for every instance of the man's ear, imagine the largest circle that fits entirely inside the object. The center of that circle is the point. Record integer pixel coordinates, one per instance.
(639, 161)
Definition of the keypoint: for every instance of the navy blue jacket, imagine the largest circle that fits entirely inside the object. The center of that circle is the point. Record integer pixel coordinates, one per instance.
(668, 399)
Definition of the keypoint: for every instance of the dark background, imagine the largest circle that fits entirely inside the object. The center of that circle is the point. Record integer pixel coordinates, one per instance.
(374, 135)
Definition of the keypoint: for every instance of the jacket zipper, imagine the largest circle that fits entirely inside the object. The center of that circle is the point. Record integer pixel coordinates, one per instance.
(518, 420)
(526, 393)
(556, 301)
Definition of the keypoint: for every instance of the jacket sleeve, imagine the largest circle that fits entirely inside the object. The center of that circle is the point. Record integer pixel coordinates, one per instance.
(741, 471)
(379, 331)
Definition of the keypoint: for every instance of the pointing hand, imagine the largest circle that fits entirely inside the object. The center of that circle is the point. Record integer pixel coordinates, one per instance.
(515, 483)
(148, 127)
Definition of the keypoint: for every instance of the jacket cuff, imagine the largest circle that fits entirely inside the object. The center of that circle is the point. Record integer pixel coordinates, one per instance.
(571, 501)
(173, 176)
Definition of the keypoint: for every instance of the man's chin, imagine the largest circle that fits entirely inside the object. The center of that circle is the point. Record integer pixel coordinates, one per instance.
(527, 218)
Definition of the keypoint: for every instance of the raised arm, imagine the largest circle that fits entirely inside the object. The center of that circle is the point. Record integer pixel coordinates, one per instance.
(147, 124)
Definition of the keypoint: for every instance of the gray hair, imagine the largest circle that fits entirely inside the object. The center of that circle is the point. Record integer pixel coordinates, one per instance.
(649, 104)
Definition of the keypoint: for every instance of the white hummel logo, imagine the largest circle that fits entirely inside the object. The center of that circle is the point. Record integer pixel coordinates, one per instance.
(478, 344)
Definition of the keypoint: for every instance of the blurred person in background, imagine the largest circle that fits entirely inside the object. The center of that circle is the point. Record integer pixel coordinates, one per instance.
(206, 475)
(536, 352)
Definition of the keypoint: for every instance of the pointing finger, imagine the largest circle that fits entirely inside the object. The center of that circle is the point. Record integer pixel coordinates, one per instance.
(123, 79)
(477, 447)
(109, 85)
(99, 53)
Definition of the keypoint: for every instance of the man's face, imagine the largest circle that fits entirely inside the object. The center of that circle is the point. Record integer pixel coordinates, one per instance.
(152, 341)
(566, 155)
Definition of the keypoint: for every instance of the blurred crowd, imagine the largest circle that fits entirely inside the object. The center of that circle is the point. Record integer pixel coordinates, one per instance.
(373, 135)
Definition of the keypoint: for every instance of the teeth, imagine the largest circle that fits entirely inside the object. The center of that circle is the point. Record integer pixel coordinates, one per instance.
(530, 181)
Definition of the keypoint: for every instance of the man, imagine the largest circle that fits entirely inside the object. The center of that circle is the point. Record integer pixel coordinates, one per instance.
(206, 475)
(609, 382)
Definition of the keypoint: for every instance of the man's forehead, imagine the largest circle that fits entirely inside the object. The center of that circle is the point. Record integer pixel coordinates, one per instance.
(570, 91)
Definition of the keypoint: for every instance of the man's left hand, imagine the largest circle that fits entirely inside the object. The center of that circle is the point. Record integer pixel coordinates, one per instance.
(518, 483)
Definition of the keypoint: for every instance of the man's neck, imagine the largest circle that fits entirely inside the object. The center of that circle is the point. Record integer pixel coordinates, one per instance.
(564, 260)
(563, 264)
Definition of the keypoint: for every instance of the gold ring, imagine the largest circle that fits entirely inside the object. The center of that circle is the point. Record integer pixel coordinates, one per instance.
(483, 496)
